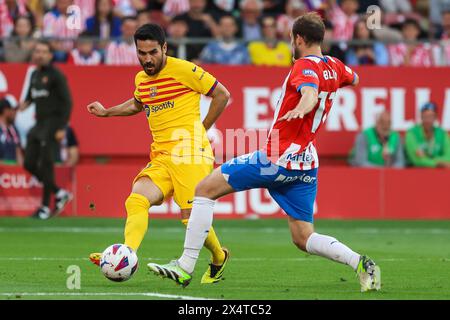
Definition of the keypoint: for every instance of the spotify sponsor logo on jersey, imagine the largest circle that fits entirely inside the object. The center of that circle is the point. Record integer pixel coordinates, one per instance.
(162, 106)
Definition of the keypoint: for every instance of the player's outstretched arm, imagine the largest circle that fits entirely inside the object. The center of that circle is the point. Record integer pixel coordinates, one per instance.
(307, 102)
(128, 108)
(220, 97)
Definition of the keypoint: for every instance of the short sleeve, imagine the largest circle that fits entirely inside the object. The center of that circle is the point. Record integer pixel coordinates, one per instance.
(304, 73)
(137, 81)
(197, 79)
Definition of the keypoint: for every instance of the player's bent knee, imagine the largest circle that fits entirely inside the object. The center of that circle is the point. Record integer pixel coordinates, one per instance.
(213, 186)
(148, 189)
(203, 189)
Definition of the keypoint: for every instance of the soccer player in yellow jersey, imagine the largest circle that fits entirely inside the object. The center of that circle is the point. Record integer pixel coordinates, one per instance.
(168, 91)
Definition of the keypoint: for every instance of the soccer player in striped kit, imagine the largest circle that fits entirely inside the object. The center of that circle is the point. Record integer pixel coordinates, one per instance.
(287, 166)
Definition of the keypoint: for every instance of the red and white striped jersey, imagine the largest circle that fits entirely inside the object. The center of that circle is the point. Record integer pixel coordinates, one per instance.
(6, 20)
(420, 56)
(291, 144)
(121, 53)
(172, 8)
(343, 25)
(94, 59)
(446, 49)
(56, 25)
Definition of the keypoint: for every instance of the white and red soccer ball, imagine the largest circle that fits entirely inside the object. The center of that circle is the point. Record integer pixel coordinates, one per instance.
(119, 262)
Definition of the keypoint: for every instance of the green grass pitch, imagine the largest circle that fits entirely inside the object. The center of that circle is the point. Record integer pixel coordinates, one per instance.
(414, 257)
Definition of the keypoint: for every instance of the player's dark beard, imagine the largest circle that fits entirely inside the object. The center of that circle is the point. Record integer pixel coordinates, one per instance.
(156, 67)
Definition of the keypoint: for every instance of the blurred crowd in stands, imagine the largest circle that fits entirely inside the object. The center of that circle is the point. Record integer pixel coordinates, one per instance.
(92, 32)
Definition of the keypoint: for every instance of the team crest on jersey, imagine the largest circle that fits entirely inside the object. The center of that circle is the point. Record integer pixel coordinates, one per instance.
(309, 72)
(153, 92)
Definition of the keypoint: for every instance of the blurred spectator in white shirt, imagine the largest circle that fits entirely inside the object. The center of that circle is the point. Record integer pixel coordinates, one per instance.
(56, 26)
(9, 11)
(411, 53)
(343, 17)
(84, 54)
(173, 8)
(123, 51)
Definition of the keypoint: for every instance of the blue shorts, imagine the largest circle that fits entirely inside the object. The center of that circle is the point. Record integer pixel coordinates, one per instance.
(294, 190)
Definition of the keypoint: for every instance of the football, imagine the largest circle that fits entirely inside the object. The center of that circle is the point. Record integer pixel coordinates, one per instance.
(119, 262)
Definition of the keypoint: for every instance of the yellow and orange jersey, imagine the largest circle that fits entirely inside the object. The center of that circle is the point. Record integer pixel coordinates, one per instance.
(171, 100)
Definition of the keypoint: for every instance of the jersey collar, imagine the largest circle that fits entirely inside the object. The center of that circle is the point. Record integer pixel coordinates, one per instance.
(324, 59)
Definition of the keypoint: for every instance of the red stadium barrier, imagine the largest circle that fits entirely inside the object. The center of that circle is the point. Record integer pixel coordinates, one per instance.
(20, 193)
(254, 94)
(344, 193)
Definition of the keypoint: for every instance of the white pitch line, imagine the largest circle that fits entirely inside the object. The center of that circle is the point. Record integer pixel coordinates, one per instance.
(39, 259)
(101, 294)
(203, 259)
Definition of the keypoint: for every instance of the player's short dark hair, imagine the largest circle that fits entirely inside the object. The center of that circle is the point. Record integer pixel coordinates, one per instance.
(411, 22)
(310, 27)
(150, 31)
(46, 43)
